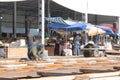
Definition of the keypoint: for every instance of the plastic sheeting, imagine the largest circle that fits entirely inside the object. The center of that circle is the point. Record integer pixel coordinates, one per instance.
(107, 29)
(57, 23)
(74, 27)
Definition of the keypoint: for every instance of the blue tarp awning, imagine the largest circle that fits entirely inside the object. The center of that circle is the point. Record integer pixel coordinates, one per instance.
(74, 27)
(56, 20)
(57, 23)
(56, 26)
(107, 29)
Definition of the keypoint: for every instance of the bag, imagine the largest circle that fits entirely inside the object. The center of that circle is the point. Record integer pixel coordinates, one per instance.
(67, 52)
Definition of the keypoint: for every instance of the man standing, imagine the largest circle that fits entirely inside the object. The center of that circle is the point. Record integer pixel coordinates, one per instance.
(77, 44)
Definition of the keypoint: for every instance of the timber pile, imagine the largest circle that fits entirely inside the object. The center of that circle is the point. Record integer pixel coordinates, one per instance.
(112, 53)
(73, 68)
(92, 76)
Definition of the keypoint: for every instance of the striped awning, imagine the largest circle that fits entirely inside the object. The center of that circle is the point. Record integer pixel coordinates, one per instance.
(56, 20)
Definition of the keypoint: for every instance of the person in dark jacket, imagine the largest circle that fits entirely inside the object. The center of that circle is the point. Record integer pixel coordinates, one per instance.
(88, 53)
(57, 45)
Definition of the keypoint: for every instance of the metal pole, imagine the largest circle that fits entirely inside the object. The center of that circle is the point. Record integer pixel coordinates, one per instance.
(0, 26)
(26, 26)
(14, 20)
(118, 25)
(49, 14)
(96, 18)
(86, 14)
(41, 17)
(86, 18)
(43, 21)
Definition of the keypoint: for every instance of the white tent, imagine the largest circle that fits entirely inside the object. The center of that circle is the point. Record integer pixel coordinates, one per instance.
(100, 7)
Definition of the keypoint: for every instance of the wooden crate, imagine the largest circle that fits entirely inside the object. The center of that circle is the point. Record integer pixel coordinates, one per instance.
(16, 52)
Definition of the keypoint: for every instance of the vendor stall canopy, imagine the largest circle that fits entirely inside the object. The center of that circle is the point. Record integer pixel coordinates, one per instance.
(56, 20)
(100, 7)
(57, 23)
(92, 30)
(107, 29)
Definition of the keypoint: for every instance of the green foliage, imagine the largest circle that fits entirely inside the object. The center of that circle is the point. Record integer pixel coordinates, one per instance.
(50, 40)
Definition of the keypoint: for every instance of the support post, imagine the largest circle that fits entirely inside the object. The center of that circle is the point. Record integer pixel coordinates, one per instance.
(41, 19)
(14, 20)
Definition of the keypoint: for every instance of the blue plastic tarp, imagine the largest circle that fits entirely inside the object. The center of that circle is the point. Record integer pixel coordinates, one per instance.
(56, 20)
(107, 29)
(74, 27)
(56, 26)
(57, 23)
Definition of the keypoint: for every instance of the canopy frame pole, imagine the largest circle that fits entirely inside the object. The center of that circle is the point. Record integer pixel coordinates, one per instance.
(14, 19)
(66, 38)
(119, 24)
(41, 19)
(86, 13)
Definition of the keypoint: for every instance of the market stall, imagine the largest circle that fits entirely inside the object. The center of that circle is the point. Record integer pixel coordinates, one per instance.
(14, 49)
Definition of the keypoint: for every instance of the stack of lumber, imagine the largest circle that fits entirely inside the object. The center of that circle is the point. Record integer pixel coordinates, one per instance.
(72, 68)
(92, 76)
(112, 53)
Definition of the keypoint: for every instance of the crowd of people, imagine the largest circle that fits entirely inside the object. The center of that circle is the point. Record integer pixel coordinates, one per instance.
(65, 46)
(70, 45)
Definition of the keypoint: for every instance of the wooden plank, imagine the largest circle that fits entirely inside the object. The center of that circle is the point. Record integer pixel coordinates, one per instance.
(60, 72)
(12, 75)
(105, 74)
(116, 67)
(85, 63)
(96, 76)
(107, 78)
(53, 78)
(19, 52)
(91, 76)
(100, 70)
(112, 51)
